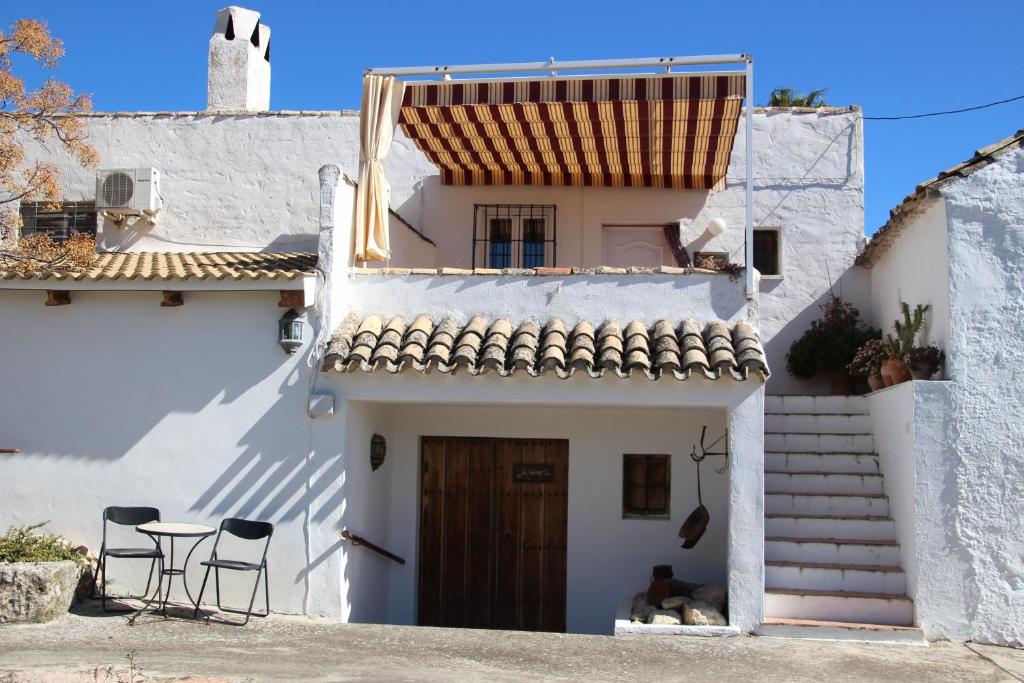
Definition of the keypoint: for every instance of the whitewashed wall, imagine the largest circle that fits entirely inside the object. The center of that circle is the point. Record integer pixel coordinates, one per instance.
(986, 262)
(912, 428)
(915, 269)
(195, 410)
(229, 181)
(594, 298)
(955, 471)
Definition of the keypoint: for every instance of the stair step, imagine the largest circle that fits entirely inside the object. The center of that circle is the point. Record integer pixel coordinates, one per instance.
(830, 526)
(780, 503)
(797, 442)
(821, 462)
(823, 482)
(864, 578)
(849, 606)
(817, 405)
(818, 424)
(777, 627)
(832, 550)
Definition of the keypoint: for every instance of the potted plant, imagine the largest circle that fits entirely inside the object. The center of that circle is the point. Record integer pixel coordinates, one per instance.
(829, 345)
(896, 366)
(925, 361)
(867, 363)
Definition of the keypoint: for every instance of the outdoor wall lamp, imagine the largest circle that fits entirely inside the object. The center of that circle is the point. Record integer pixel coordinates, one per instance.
(289, 331)
(715, 227)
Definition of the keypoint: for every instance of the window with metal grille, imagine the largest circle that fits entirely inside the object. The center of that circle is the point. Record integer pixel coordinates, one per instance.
(646, 482)
(514, 235)
(60, 223)
(766, 252)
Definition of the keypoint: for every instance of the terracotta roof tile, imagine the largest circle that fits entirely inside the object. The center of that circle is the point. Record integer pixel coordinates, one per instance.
(481, 346)
(164, 266)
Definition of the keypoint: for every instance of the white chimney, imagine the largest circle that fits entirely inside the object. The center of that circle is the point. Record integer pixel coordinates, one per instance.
(239, 76)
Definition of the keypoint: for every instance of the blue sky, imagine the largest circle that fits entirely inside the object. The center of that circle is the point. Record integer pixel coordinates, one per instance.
(895, 57)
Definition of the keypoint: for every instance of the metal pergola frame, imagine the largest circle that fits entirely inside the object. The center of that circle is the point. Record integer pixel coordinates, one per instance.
(552, 67)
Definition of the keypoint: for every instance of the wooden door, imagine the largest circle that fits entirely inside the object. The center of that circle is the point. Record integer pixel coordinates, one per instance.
(493, 523)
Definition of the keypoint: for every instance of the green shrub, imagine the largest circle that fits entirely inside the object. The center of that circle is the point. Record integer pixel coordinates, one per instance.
(830, 343)
(23, 544)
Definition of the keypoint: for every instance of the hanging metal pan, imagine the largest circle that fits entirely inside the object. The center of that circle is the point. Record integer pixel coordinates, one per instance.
(697, 523)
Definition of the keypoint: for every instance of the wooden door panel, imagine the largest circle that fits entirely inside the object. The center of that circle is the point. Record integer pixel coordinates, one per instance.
(507, 535)
(477, 581)
(432, 462)
(493, 549)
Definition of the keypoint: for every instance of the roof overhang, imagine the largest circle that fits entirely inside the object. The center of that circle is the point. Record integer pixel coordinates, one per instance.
(155, 271)
(666, 129)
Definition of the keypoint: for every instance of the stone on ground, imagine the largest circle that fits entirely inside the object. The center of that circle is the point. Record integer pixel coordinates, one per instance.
(35, 592)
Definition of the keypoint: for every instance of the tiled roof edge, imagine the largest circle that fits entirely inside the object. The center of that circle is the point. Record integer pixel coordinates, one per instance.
(931, 189)
(496, 345)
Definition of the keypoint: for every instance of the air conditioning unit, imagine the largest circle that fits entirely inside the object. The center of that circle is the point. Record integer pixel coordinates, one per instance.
(128, 191)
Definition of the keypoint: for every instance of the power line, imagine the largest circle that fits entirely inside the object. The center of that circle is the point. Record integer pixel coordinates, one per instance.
(943, 113)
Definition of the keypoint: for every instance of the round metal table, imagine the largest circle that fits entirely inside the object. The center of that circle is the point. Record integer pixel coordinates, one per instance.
(171, 530)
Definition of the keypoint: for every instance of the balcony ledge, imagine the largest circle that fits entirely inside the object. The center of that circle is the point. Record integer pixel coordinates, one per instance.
(540, 272)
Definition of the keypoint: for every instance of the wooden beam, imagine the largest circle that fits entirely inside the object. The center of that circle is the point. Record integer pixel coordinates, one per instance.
(58, 297)
(293, 298)
(172, 299)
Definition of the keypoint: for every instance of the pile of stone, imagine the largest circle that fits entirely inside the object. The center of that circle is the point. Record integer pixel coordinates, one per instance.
(690, 604)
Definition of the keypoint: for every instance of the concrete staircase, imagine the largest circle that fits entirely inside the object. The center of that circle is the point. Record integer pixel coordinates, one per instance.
(832, 566)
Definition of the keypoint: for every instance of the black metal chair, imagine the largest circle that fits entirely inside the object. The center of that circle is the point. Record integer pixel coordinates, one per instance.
(251, 531)
(127, 516)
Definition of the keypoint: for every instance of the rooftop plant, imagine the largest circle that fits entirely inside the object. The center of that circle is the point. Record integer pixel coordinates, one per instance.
(788, 97)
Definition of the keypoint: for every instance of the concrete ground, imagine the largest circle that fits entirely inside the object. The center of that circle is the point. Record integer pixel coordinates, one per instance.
(91, 646)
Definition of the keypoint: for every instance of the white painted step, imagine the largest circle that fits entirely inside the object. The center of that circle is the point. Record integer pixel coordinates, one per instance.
(825, 504)
(821, 462)
(823, 482)
(861, 578)
(832, 550)
(796, 442)
(871, 608)
(819, 405)
(830, 526)
(807, 629)
(817, 424)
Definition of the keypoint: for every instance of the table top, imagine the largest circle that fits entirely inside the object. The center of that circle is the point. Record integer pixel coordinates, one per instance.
(175, 529)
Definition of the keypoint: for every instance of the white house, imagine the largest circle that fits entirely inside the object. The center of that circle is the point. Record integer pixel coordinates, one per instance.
(539, 355)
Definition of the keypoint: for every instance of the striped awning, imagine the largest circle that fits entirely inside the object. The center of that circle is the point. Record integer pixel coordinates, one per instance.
(638, 131)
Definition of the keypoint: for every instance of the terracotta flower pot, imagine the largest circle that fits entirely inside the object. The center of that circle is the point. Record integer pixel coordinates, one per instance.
(886, 373)
(876, 382)
(898, 369)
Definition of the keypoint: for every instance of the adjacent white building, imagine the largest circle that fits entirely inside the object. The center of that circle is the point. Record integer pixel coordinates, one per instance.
(539, 358)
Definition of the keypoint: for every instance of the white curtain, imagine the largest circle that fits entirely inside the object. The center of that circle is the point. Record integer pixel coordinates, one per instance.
(382, 101)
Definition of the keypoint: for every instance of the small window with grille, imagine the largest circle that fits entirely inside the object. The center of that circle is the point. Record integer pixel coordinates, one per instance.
(766, 251)
(68, 218)
(514, 236)
(646, 482)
